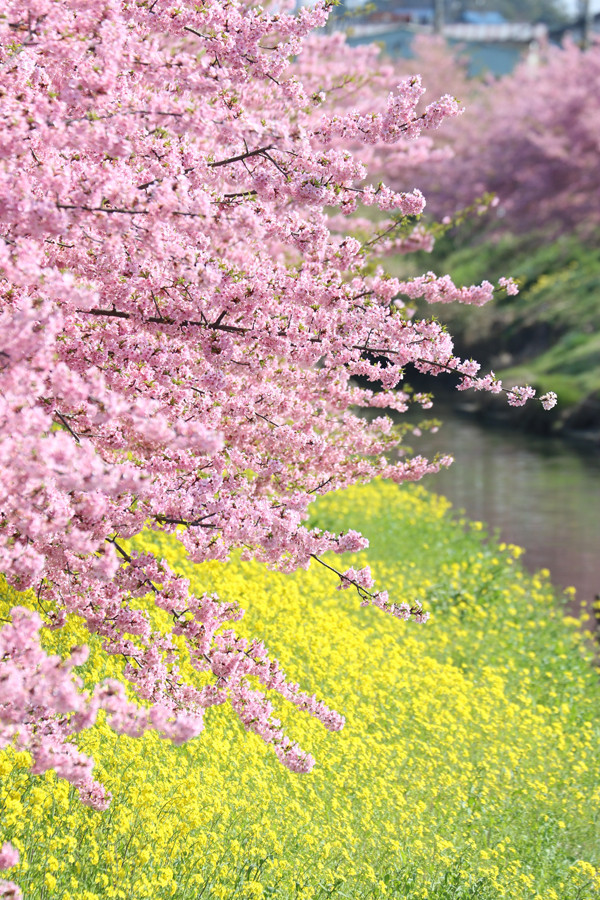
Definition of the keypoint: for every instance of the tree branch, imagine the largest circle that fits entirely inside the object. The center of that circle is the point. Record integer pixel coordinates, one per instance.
(246, 155)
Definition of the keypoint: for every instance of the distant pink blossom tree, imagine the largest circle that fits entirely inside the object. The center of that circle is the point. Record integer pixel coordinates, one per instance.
(531, 137)
(183, 310)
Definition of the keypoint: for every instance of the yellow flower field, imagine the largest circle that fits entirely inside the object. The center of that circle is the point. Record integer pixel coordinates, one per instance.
(468, 766)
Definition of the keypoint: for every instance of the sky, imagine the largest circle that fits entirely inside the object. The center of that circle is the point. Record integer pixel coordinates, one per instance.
(573, 7)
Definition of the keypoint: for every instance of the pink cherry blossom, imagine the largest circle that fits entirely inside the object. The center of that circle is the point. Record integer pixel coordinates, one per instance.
(548, 400)
(9, 856)
(529, 137)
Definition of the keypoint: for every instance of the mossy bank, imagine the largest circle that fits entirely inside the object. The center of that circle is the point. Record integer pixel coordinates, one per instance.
(547, 336)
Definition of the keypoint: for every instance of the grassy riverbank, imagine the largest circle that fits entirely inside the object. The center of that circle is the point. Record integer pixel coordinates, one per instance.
(548, 335)
(467, 767)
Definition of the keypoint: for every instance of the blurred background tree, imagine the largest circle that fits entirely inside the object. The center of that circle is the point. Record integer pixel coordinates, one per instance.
(550, 11)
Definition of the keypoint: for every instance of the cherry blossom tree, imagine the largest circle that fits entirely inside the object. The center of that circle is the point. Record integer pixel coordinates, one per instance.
(184, 307)
(530, 137)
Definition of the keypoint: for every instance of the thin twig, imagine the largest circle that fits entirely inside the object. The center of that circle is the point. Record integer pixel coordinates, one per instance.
(67, 426)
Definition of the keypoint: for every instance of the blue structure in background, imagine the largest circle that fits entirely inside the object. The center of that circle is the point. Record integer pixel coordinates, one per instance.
(499, 59)
(470, 17)
(489, 42)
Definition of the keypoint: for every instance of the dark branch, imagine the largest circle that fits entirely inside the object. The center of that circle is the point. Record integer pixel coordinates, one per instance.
(196, 523)
(261, 151)
(67, 426)
(163, 320)
(104, 209)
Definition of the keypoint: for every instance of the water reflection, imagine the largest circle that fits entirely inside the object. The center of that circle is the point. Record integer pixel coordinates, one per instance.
(538, 492)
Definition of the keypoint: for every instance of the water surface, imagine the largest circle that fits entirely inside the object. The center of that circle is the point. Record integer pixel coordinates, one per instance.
(538, 492)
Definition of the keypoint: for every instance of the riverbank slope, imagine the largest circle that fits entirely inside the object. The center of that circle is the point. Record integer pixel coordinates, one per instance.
(547, 336)
(467, 766)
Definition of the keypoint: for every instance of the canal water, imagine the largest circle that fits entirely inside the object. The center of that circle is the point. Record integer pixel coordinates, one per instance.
(538, 492)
